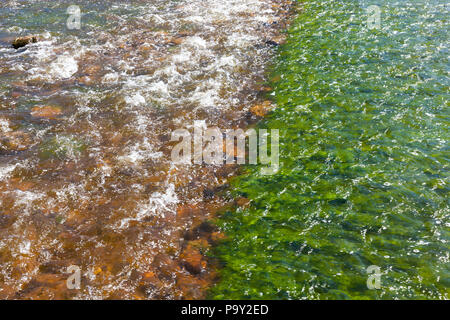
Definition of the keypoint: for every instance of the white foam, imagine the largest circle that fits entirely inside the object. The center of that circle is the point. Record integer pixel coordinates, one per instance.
(4, 126)
(139, 152)
(159, 87)
(196, 42)
(112, 77)
(6, 171)
(64, 67)
(181, 57)
(26, 199)
(135, 100)
(25, 247)
(159, 203)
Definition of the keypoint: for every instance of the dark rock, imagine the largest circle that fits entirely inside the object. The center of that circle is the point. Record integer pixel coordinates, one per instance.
(337, 202)
(192, 259)
(208, 194)
(207, 227)
(272, 43)
(23, 41)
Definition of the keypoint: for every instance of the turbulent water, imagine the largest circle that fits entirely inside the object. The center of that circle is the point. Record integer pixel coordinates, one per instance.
(364, 166)
(86, 178)
(91, 183)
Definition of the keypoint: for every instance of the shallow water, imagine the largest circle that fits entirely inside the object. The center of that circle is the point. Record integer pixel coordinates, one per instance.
(364, 141)
(92, 185)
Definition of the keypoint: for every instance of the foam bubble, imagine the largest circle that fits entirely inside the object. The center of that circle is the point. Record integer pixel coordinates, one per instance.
(135, 100)
(64, 67)
(4, 126)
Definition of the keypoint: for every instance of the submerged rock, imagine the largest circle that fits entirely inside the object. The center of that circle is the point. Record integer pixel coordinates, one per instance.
(262, 109)
(49, 112)
(193, 259)
(176, 41)
(13, 140)
(23, 41)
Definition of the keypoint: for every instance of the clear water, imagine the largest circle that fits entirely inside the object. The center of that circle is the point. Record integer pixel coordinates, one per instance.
(364, 178)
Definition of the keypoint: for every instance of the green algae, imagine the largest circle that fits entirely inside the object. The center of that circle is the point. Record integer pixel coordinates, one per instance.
(61, 147)
(363, 118)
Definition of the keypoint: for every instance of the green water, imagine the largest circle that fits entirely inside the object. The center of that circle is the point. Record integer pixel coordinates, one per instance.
(363, 118)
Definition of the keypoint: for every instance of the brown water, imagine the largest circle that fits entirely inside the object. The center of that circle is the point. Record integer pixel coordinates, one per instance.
(92, 185)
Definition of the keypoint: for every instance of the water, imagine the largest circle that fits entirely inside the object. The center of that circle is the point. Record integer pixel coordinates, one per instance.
(93, 185)
(363, 118)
